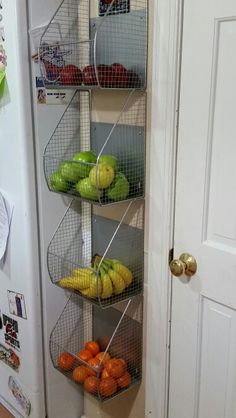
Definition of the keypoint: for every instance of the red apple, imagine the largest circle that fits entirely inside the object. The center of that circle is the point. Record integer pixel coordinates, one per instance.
(89, 76)
(105, 75)
(52, 71)
(120, 75)
(71, 75)
(134, 80)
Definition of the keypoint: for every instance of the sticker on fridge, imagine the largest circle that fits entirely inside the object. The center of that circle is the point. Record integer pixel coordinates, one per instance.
(11, 332)
(8, 357)
(19, 395)
(16, 304)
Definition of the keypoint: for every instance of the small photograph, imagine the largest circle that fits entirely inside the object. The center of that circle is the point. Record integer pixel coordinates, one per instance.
(119, 6)
(41, 96)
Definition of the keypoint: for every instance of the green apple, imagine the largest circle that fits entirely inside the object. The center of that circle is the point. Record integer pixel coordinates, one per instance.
(101, 176)
(58, 184)
(119, 189)
(110, 160)
(69, 171)
(86, 190)
(85, 161)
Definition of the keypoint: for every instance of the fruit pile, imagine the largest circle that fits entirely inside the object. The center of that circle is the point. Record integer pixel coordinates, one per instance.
(109, 76)
(105, 280)
(91, 178)
(98, 372)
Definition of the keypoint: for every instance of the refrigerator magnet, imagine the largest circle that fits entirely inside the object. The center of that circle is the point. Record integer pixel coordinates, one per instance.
(8, 357)
(16, 303)
(19, 395)
(11, 332)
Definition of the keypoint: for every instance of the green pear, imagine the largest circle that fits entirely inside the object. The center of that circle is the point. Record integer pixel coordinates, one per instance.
(110, 160)
(87, 191)
(101, 176)
(57, 183)
(119, 189)
(69, 171)
(85, 161)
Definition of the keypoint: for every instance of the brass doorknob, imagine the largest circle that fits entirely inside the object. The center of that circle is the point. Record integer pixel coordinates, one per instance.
(185, 265)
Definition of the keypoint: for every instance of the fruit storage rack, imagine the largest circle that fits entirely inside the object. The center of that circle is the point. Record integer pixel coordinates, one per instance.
(81, 235)
(78, 50)
(66, 168)
(96, 241)
(118, 333)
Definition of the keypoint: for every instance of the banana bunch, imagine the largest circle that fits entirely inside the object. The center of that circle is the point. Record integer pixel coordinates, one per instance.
(115, 277)
(102, 280)
(85, 280)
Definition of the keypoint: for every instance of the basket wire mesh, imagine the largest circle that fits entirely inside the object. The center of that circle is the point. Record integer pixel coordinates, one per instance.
(119, 335)
(113, 169)
(79, 48)
(82, 252)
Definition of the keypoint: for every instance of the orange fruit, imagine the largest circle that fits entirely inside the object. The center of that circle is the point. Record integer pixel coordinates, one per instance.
(115, 368)
(100, 355)
(105, 374)
(85, 355)
(79, 374)
(66, 361)
(93, 362)
(124, 362)
(107, 387)
(91, 384)
(124, 381)
(93, 347)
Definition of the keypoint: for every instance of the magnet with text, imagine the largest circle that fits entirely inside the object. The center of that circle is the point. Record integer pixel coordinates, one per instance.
(18, 394)
(11, 332)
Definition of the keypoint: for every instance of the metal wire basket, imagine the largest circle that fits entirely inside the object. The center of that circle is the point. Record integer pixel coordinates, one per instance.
(118, 334)
(82, 252)
(100, 46)
(102, 163)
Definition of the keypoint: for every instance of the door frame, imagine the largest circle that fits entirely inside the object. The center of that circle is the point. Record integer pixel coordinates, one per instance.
(163, 89)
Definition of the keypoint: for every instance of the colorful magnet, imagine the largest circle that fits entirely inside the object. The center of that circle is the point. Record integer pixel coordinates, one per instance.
(10, 358)
(11, 332)
(16, 304)
(18, 394)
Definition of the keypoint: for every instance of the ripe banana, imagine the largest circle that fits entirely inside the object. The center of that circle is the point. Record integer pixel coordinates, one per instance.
(70, 282)
(124, 272)
(83, 276)
(95, 288)
(107, 288)
(117, 281)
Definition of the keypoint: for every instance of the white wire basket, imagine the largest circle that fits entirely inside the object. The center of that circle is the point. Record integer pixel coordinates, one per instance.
(117, 334)
(99, 258)
(96, 44)
(112, 169)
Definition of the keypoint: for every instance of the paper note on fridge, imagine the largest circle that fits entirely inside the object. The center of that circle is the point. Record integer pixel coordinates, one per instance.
(6, 209)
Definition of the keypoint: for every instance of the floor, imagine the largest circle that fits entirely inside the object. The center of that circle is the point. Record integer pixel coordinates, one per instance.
(4, 413)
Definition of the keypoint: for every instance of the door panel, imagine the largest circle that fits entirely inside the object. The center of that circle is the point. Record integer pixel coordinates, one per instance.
(216, 360)
(202, 366)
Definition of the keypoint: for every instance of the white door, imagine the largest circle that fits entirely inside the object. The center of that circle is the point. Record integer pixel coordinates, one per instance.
(203, 336)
